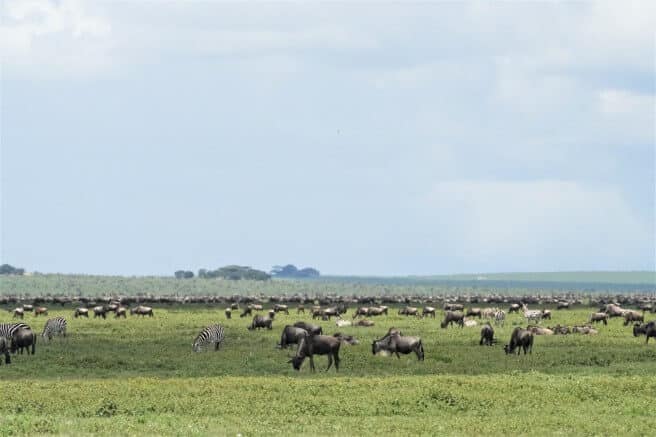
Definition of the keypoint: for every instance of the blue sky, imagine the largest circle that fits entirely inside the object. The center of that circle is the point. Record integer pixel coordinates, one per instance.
(370, 138)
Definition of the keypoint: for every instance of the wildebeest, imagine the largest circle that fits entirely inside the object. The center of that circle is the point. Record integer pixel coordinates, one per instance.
(585, 330)
(4, 349)
(100, 311)
(81, 312)
(247, 312)
(474, 312)
(560, 330)
(647, 329)
(260, 322)
(361, 311)
(453, 307)
(428, 311)
(291, 335)
(300, 309)
(450, 317)
(311, 345)
(28, 307)
(309, 327)
(120, 312)
(272, 314)
(395, 343)
(632, 316)
(23, 338)
(520, 339)
(487, 335)
(281, 308)
(19, 312)
(377, 311)
(514, 308)
(538, 330)
(327, 313)
(348, 339)
(612, 310)
(365, 323)
(562, 305)
(599, 317)
(142, 311)
(408, 311)
(228, 313)
(546, 314)
(40, 310)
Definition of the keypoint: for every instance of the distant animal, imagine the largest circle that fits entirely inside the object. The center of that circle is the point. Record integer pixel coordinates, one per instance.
(22, 339)
(408, 311)
(256, 307)
(142, 311)
(647, 329)
(474, 312)
(342, 323)
(327, 313)
(348, 339)
(361, 311)
(291, 335)
(632, 316)
(311, 345)
(500, 317)
(520, 339)
(453, 307)
(377, 311)
(260, 322)
(28, 307)
(5, 346)
(81, 312)
(488, 313)
(428, 311)
(396, 344)
(451, 317)
(281, 308)
(309, 327)
(514, 308)
(211, 335)
(19, 312)
(247, 312)
(272, 314)
(300, 309)
(487, 335)
(100, 311)
(120, 312)
(546, 314)
(585, 330)
(599, 317)
(612, 310)
(53, 327)
(234, 306)
(532, 315)
(469, 323)
(228, 313)
(560, 330)
(40, 310)
(365, 323)
(7, 330)
(562, 305)
(538, 330)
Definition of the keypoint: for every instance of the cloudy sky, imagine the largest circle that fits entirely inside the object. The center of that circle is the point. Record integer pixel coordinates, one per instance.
(370, 138)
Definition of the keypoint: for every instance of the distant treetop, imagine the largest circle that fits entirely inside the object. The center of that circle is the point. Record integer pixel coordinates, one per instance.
(7, 269)
(235, 273)
(290, 271)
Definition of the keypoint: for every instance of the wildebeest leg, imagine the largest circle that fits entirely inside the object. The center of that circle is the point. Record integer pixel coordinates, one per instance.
(330, 361)
(312, 363)
(336, 362)
(397, 354)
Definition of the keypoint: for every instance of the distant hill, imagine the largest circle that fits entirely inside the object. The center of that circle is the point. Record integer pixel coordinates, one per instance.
(637, 277)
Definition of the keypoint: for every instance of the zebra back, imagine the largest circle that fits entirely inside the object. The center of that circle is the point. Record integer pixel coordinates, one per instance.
(213, 334)
(7, 329)
(54, 326)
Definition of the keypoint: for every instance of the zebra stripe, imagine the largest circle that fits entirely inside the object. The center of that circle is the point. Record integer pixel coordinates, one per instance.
(56, 326)
(499, 317)
(7, 329)
(213, 334)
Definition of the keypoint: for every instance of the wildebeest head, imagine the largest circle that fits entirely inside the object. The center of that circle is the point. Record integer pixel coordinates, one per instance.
(297, 362)
(507, 349)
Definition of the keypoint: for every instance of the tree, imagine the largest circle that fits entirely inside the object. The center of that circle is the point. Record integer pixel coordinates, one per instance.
(290, 271)
(7, 269)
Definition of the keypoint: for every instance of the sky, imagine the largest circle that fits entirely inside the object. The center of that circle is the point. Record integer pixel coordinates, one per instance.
(371, 138)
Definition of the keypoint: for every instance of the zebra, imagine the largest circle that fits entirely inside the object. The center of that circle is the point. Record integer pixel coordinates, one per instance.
(212, 334)
(7, 329)
(499, 317)
(56, 326)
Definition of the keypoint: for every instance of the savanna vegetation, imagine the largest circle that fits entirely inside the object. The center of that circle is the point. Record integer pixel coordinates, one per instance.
(139, 375)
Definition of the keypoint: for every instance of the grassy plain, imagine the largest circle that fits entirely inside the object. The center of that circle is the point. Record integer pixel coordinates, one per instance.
(139, 376)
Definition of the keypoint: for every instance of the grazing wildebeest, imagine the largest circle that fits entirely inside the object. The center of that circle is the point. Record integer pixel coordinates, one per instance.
(365, 323)
(260, 322)
(408, 311)
(300, 309)
(247, 312)
(81, 312)
(19, 312)
(309, 327)
(395, 343)
(100, 311)
(546, 314)
(142, 311)
(348, 339)
(40, 310)
(120, 312)
(228, 313)
(487, 335)
(456, 317)
(329, 312)
(377, 311)
(514, 308)
(311, 345)
(291, 335)
(4, 349)
(234, 306)
(361, 311)
(520, 339)
(647, 329)
(612, 310)
(28, 307)
(453, 307)
(474, 312)
(23, 338)
(562, 305)
(281, 308)
(632, 316)
(599, 317)
(428, 311)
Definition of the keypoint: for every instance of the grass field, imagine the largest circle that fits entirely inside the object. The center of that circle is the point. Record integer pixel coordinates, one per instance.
(139, 376)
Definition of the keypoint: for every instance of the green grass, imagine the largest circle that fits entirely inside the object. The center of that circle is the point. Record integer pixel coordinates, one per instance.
(139, 376)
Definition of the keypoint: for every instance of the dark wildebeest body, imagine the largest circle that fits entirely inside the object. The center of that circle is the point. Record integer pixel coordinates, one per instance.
(377, 311)
(456, 317)
(408, 311)
(546, 314)
(19, 312)
(632, 316)
(487, 335)
(365, 323)
(428, 311)
(142, 311)
(361, 311)
(520, 339)
(247, 312)
(281, 308)
(121, 312)
(396, 344)
(474, 312)
(291, 335)
(4, 349)
(453, 307)
(562, 306)
(514, 308)
(647, 329)
(100, 311)
(23, 338)
(309, 327)
(260, 322)
(317, 345)
(599, 317)
(81, 312)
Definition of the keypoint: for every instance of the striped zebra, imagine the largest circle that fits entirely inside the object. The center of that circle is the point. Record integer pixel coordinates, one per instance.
(53, 327)
(213, 334)
(499, 317)
(7, 329)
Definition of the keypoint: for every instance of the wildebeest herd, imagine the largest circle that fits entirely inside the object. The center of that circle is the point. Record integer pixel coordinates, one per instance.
(310, 340)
